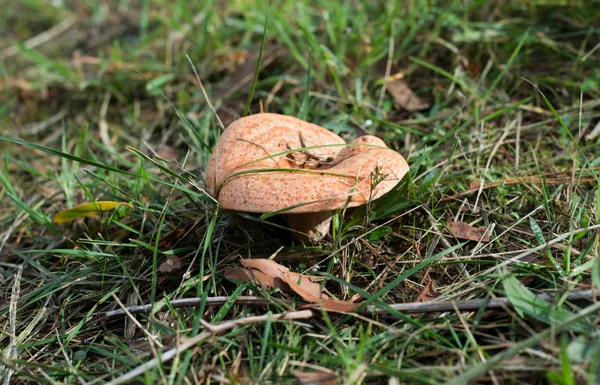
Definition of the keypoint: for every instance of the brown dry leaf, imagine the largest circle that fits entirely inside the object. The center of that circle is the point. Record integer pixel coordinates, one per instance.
(463, 230)
(274, 269)
(172, 263)
(256, 276)
(404, 96)
(428, 293)
(271, 274)
(474, 184)
(267, 266)
(322, 300)
(315, 378)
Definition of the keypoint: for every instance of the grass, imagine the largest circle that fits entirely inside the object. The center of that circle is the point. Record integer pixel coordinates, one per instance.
(100, 103)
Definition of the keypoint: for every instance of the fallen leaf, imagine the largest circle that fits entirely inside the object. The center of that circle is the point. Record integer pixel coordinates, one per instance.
(474, 184)
(269, 273)
(428, 293)
(172, 263)
(404, 96)
(315, 378)
(256, 276)
(87, 210)
(463, 230)
(276, 270)
(321, 301)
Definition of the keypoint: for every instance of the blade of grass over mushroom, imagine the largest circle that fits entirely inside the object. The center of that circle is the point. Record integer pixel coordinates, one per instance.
(282, 170)
(257, 70)
(303, 149)
(291, 207)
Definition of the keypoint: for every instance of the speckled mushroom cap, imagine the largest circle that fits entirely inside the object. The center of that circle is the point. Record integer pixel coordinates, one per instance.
(304, 181)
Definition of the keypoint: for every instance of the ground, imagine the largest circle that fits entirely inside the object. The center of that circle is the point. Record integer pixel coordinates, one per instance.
(495, 106)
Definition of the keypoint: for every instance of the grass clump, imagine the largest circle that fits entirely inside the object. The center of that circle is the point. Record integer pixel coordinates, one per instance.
(100, 103)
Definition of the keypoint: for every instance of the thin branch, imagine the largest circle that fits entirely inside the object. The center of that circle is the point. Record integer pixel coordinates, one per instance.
(126, 311)
(411, 307)
(215, 329)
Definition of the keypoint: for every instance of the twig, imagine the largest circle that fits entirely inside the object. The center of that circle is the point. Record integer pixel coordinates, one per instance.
(410, 307)
(185, 345)
(126, 311)
(196, 301)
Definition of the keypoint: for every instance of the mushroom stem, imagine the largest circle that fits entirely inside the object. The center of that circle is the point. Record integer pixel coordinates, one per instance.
(310, 228)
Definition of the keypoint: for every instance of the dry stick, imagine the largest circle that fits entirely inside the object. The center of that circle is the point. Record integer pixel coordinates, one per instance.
(410, 307)
(125, 310)
(215, 329)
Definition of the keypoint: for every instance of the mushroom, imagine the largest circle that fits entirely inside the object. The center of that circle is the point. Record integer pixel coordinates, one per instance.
(276, 163)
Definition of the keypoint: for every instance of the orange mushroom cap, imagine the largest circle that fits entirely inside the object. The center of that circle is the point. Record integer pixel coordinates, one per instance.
(268, 162)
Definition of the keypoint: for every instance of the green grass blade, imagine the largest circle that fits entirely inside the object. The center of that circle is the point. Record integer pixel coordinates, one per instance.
(257, 70)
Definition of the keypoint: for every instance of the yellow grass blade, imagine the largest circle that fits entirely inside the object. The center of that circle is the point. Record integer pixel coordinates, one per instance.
(87, 210)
